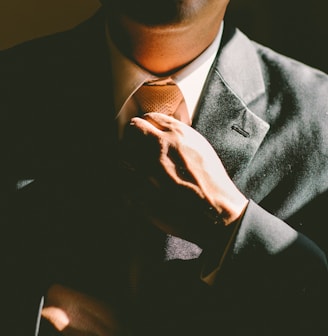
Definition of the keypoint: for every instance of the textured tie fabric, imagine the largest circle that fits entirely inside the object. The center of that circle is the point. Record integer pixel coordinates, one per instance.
(159, 96)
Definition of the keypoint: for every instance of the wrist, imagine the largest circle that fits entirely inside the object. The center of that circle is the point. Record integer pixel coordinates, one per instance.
(228, 213)
(216, 228)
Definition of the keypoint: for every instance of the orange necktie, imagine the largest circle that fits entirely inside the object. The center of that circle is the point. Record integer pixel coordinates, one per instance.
(160, 96)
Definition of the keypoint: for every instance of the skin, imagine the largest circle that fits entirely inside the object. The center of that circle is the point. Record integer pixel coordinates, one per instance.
(159, 45)
(161, 48)
(76, 314)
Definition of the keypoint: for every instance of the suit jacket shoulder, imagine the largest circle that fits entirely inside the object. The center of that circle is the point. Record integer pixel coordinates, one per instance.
(50, 85)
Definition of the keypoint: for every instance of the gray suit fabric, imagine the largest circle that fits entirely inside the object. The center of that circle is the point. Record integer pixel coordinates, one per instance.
(63, 219)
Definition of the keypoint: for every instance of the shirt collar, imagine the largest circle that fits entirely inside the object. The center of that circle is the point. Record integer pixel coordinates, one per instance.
(128, 76)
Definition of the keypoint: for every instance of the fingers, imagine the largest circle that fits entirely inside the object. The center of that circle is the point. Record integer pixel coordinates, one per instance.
(151, 123)
(174, 171)
(75, 313)
(161, 119)
(145, 127)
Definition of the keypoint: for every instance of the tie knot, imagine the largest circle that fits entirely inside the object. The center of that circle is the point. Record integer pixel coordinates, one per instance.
(159, 97)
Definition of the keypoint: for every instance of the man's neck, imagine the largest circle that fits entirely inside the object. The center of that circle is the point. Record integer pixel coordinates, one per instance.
(163, 50)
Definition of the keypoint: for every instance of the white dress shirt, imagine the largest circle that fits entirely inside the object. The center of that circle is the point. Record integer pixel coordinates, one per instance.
(128, 77)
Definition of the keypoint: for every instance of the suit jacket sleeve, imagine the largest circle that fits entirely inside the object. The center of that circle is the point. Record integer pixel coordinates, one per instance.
(269, 258)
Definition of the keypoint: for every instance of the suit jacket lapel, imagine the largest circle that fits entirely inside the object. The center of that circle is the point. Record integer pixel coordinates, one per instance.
(224, 117)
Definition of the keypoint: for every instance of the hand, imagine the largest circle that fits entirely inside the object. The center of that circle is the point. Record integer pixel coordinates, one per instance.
(76, 314)
(180, 163)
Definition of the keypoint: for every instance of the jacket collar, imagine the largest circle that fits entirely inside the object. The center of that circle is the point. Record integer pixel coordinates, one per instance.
(224, 116)
(238, 66)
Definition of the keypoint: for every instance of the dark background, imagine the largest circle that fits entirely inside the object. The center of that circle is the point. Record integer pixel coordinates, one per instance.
(296, 28)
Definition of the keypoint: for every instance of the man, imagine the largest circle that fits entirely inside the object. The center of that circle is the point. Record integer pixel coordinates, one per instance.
(209, 220)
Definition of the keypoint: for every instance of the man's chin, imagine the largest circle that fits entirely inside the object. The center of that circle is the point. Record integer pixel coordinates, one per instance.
(159, 13)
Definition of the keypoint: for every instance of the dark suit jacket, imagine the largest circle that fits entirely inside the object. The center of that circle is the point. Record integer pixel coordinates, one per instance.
(63, 219)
